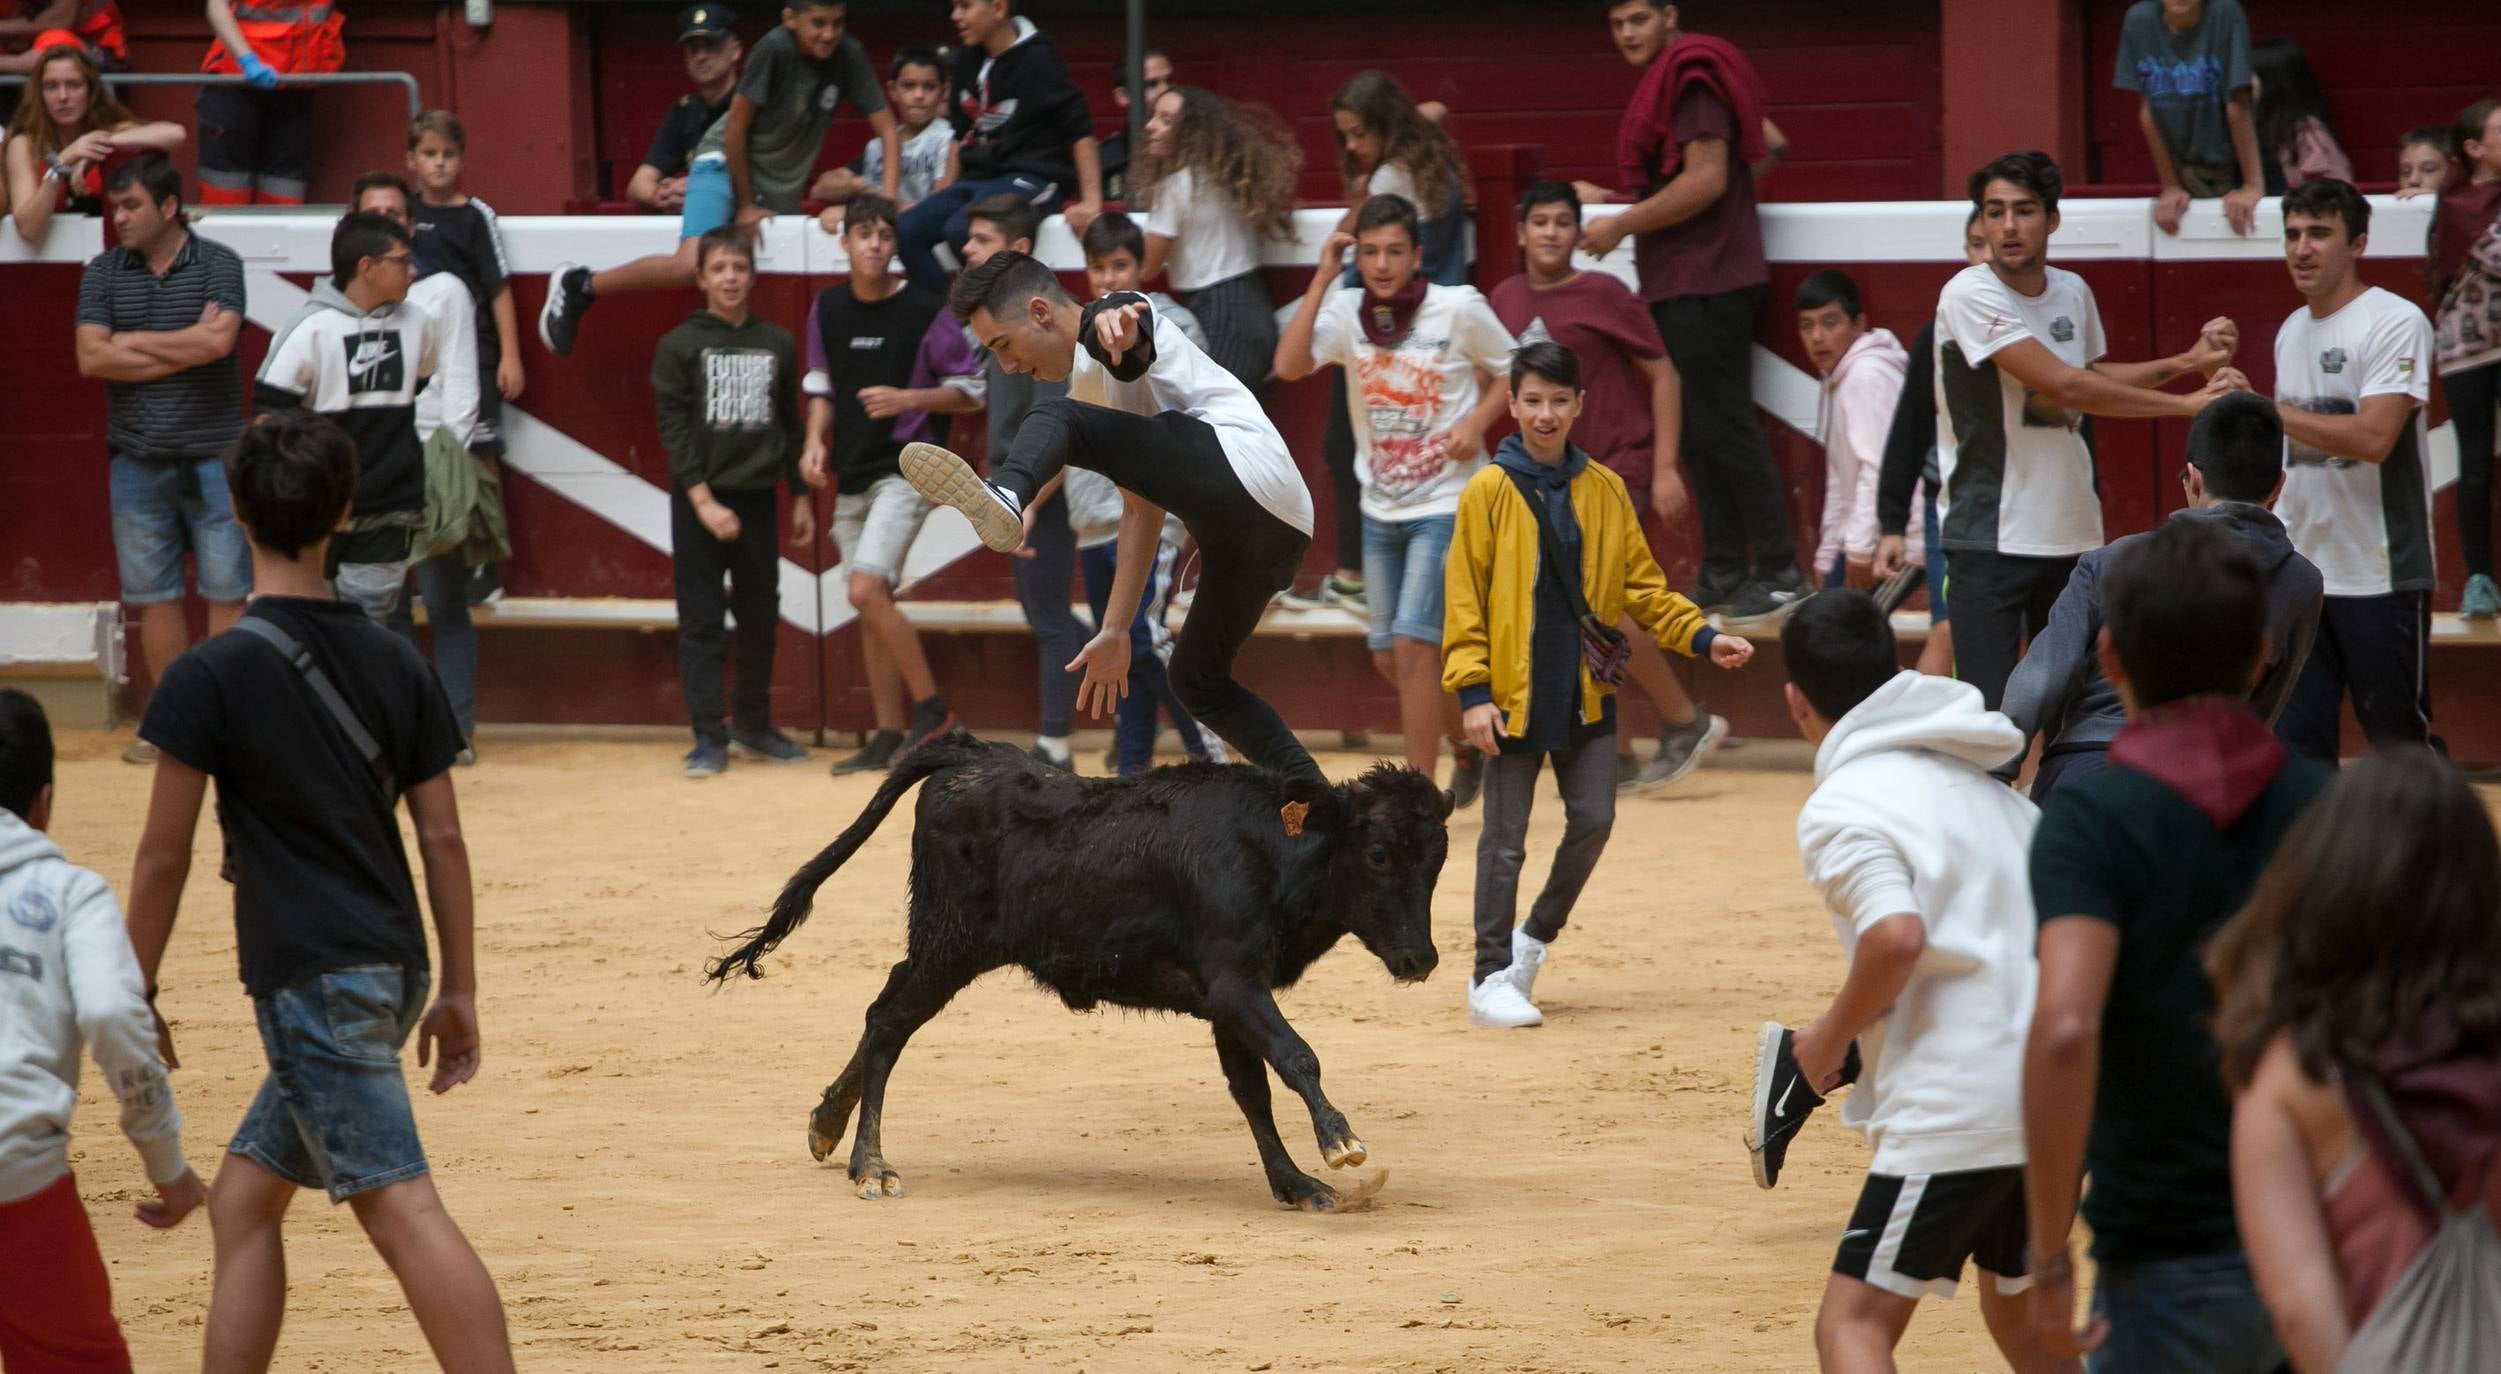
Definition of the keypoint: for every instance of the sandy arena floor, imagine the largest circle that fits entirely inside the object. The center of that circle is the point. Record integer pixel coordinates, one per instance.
(1083, 1195)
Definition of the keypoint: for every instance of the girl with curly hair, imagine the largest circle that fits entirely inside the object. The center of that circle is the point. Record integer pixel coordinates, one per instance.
(1218, 180)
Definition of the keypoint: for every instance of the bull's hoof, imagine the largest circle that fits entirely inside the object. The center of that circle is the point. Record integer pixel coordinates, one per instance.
(819, 1146)
(826, 1126)
(1344, 1154)
(1305, 1193)
(876, 1179)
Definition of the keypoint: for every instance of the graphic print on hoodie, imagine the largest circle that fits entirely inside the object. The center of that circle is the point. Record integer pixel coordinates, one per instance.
(363, 371)
(1018, 111)
(1937, 1090)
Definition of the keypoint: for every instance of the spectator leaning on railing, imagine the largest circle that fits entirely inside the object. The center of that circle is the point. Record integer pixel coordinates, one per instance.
(256, 144)
(61, 140)
(712, 52)
(917, 92)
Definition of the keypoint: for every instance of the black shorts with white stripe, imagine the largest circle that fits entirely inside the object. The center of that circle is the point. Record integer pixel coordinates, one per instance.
(1910, 1235)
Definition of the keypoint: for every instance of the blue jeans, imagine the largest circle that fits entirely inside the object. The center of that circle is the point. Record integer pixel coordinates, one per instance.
(443, 581)
(1403, 562)
(2198, 1314)
(1133, 739)
(333, 1113)
(162, 508)
(940, 218)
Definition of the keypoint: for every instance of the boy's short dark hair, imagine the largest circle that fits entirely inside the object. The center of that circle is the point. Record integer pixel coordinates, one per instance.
(803, 6)
(2328, 198)
(916, 55)
(1002, 285)
(2237, 444)
(1839, 649)
(2439, 136)
(1111, 233)
(1547, 361)
(25, 752)
(1012, 213)
(2034, 171)
(381, 181)
(442, 124)
(1549, 193)
(868, 207)
(725, 239)
(291, 475)
(1829, 287)
(2186, 608)
(151, 173)
(1380, 212)
(358, 237)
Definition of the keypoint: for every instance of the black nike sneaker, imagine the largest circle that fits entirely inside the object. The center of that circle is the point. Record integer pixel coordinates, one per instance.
(1783, 1099)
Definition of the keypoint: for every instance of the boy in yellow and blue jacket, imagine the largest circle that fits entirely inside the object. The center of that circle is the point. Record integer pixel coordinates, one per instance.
(1512, 653)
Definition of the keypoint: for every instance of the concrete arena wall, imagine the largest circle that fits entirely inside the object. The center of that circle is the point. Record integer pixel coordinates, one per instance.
(588, 485)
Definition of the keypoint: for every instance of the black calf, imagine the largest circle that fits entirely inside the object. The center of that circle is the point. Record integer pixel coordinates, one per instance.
(1174, 891)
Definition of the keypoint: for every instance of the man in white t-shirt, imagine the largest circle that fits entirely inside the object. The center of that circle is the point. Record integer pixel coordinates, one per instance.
(2352, 372)
(1932, 903)
(2019, 364)
(1178, 434)
(1425, 368)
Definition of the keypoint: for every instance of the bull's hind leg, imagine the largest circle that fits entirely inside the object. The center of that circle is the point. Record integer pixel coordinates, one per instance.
(915, 991)
(1251, 1013)
(1247, 1075)
(833, 1112)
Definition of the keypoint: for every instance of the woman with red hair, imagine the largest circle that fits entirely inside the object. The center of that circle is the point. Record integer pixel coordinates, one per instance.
(64, 135)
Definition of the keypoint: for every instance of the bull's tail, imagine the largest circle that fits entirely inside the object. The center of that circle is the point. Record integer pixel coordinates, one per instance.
(799, 894)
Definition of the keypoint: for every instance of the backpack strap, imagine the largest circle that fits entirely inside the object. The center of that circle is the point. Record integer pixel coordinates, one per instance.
(327, 693)
(2409, 1155)
(1550, 544)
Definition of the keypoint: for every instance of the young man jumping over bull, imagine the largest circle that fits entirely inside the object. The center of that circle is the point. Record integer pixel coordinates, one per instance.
(1178, 434)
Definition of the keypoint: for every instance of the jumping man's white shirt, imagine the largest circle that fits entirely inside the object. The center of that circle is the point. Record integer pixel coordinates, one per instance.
(1181, 378)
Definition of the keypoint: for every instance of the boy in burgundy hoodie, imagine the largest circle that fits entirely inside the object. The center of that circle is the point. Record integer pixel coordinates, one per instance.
(2133, 871)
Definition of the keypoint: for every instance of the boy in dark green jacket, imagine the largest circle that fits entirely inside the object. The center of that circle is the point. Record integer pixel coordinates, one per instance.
(728, 385)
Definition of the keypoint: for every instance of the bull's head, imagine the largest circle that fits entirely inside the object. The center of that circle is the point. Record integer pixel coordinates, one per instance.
(1389, 856)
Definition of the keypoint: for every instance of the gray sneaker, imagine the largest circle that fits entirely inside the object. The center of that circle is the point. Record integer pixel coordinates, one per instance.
(946, 480)
(1680, 752)
(707, 759)
(872, 759)
(770, 745)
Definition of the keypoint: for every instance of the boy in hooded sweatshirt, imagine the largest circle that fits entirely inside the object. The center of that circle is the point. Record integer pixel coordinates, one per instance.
(359, 352)
(1929, 903)
(67, 978)
(1512, 653)
(1862, 370)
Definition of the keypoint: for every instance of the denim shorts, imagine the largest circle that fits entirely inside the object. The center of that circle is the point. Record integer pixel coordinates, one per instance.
(334, 1113)
(709, 198)
(1402, 577)
(163, 508)
(2196, 1314)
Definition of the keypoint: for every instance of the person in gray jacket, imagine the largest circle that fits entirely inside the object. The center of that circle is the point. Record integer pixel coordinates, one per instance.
(2235, 465)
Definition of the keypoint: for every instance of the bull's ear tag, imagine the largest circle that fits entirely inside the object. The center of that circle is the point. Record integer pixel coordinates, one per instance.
(1293, 813)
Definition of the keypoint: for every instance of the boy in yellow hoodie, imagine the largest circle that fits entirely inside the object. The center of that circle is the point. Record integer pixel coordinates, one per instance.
(1513, 652)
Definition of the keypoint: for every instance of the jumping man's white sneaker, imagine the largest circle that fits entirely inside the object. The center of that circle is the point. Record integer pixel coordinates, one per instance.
(1496, 1003)
(1528, 954)
(947, 480)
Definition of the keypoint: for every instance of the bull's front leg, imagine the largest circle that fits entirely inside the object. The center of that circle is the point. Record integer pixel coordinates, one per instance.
(1247, 1075)
(1251, 1013)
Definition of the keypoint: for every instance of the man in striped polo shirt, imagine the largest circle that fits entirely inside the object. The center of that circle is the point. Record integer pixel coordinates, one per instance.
(158, 317)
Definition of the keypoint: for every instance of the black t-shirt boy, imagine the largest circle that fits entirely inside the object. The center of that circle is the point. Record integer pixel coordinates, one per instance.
(870, 343)
(464, 241)
(321, 881)
(1018, 112)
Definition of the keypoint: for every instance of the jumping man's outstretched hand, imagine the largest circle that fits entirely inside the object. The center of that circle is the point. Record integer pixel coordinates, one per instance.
(1118, 330)
(1105, 663)
(1729, 651)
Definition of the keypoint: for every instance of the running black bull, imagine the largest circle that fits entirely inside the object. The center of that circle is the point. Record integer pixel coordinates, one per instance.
(1171, 891)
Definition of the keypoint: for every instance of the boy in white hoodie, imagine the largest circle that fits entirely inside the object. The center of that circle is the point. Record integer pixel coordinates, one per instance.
(67, 979)
(1930, 902)
(1862, 370)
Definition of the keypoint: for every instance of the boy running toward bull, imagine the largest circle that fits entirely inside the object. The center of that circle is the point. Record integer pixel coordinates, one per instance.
(1533, 655)
(1151, 412)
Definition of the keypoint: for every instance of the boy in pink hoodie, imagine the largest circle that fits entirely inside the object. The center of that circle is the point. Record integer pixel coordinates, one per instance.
(1862, 370)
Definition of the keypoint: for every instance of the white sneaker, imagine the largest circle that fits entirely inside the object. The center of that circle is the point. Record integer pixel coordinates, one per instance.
(946, 480)
(1528, 954)
(1496, 1003)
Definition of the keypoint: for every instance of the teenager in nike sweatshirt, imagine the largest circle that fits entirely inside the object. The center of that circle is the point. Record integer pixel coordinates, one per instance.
(1931, 904)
